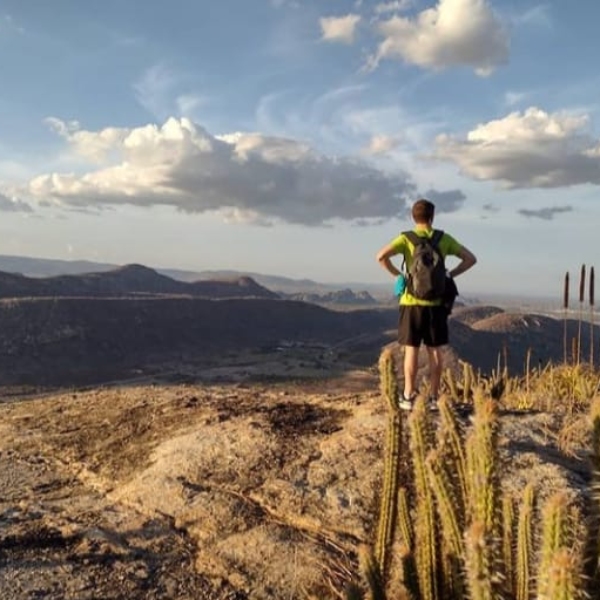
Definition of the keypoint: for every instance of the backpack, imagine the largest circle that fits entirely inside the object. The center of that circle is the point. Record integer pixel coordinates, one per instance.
(426, 278)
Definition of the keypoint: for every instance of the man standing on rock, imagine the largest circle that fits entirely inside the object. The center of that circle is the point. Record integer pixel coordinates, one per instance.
(423, 290)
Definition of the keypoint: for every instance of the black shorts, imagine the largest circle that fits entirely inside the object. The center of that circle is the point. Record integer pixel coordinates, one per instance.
(427, 324)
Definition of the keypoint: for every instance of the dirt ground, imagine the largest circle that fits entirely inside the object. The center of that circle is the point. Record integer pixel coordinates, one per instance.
(229, 486)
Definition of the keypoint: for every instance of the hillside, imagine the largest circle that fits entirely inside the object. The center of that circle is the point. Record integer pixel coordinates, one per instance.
(130, 280)
(68, 341)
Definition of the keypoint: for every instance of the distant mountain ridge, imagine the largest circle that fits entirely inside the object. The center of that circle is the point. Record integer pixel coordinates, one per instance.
(48, 267)
(130, 280)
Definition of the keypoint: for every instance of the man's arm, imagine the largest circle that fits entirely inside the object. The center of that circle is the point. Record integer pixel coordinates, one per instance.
(384, 256)
(467, 260)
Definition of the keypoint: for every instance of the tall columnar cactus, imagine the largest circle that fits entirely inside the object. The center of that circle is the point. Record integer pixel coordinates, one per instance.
(451, 520)
(484, 483)
(482, 460)
(451, 445)
(555, 536)
(525, 545)
(563, 578)
(479, 570)
(594, 543)
(389, 497)
(388, 378)
(426, 543)
(508, 519)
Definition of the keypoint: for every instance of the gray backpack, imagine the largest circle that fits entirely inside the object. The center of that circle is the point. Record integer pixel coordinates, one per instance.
(426, 278)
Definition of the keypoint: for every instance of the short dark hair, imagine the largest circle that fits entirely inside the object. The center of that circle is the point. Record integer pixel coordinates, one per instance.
(423, 211)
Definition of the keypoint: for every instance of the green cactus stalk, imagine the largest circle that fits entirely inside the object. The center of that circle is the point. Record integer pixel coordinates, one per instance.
(525, 545)
(508, 518)
(555, 536)
(482, 458)
(388, 378)
(594, 529)
(591, 298)
(450, 520)
(404, 522)
(478, 569)
(467, 381)
(452, 444)
(426, 543)
(389, 497)
(563, 577)
(446, 503)
(450, 381)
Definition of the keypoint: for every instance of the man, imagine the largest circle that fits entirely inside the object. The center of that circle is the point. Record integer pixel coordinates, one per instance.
(423, 320)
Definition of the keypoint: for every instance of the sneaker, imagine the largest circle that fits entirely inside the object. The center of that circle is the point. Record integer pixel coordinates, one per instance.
(405, 403)
(432, 404)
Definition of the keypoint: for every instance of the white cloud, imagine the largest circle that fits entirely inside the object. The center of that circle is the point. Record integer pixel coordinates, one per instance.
(395, 6)
(13, 204)
(532, 149)
(454, 33)
(381, 144)
(339, 29)
(245, 176)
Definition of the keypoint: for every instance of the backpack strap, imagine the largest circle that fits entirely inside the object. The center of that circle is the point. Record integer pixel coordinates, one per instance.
(436, 237)
(415, 239)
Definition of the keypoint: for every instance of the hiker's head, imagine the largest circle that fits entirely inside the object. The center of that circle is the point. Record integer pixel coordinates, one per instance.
(423, 212)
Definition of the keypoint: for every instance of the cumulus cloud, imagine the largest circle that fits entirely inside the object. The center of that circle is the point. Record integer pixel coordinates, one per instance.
(245, 176)
(446, 202)
(381, 144)
(13, 204)
(547, 214)
(533, 149)
(339, 29)
(453, 33)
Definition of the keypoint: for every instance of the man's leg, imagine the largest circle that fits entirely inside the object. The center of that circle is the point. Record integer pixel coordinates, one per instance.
(411, 365)
(436, 365)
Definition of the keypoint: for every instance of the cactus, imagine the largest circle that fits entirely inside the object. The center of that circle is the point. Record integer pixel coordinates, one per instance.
(451, 444)
(388, 380)
(525, 545)
(508, 517)
(555, 536)
(425, 531)
(563, 579)
(478, 568)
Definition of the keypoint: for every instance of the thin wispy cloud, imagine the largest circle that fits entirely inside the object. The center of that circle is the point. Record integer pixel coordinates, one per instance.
(536, 16)
(545, 214)
(532, 149)
(339, 29)
(163, 91)
(392, 7)
(454, 33)
(381, 144)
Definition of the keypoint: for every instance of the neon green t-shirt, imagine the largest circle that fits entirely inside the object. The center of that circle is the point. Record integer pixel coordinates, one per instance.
(448, 246)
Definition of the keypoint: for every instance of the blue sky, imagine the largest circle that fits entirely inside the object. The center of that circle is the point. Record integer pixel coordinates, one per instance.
(290, 137)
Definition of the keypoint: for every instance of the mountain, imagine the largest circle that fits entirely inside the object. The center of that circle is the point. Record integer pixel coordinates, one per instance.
(339, 297)
(44, 267)
(136, 280)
